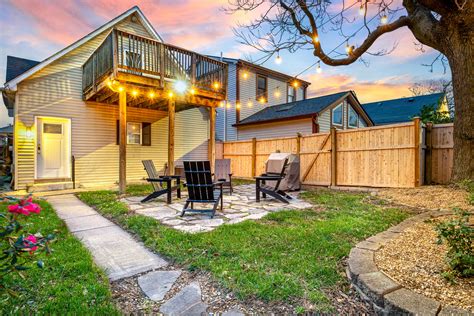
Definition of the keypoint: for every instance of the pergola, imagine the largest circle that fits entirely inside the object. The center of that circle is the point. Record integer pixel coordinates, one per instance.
(135, 71)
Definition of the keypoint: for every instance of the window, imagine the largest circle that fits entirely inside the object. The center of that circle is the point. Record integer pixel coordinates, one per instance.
(137, 133)
(353, 117)
(291, 94)
(262, 88)
(134, 133)
(337, 115)
(52, 128)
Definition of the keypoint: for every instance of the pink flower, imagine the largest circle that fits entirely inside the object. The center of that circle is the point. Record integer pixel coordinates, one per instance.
(25, 207)
(30, 243)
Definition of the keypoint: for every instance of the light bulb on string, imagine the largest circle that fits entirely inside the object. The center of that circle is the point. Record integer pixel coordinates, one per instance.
(318, 69)
(348, 48)
(384, 19)
(362, 9)
(245, 74)
(151, 94)
(278, 59)
(277, 92)
(228, 105)
(316, 38)
(237, 105)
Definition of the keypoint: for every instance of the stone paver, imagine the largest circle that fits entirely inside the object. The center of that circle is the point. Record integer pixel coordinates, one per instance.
(156, 284)
(233, 312)
(403, 300)
(361, 261)
(113, 249)
(186, 302)
(379, 285)
(237, 207)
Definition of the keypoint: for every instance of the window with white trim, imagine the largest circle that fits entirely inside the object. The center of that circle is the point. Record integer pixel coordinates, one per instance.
(353, 117)
(134, 133)
(337, 115)
(291, 94)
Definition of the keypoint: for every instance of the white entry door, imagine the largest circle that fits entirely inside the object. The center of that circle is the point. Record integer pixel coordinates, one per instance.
(53, 148)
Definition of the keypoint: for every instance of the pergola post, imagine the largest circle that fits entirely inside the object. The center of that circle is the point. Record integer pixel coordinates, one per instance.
(171, 123)
(212, 137)
(122, 142)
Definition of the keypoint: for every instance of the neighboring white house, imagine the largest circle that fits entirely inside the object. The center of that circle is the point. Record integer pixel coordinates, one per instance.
(251, 88)
(340, 110)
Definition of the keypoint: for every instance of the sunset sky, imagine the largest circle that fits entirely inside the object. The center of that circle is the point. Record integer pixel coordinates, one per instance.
(35, 29)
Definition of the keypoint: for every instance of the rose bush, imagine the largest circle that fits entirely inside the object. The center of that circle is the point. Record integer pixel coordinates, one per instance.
(19, 247)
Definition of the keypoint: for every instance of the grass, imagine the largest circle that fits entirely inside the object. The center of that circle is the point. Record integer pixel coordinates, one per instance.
(288, 255)
(70, 282)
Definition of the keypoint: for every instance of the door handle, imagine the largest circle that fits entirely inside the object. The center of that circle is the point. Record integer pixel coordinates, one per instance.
(39, 149)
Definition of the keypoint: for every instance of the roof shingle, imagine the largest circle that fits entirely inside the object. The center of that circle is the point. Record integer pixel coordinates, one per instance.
(399, 110)
(293, 109)
(16, 66)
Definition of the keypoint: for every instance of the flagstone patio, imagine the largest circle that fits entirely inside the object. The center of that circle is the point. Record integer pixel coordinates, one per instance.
(238, 207)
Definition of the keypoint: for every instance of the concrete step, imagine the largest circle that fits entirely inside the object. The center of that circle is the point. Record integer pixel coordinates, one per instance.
(50, 186)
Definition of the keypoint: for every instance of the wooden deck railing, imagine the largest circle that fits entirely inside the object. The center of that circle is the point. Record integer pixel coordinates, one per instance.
(125, 52)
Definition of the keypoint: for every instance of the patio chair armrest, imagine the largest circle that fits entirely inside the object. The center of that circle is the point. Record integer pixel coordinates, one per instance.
(161, 180)
(265, 177)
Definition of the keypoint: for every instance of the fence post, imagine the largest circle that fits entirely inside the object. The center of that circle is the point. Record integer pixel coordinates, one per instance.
(298, 144)
(333, 157)
(428, 153)
(254, 157)
(417, 126)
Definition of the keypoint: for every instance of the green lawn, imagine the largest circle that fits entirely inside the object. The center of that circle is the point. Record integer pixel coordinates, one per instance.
(288, 255)
(69, 283)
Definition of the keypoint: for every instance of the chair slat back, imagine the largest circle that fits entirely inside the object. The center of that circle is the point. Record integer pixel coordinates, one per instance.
(199, 180)
(282, 174)
(222, 169)
(152, 173)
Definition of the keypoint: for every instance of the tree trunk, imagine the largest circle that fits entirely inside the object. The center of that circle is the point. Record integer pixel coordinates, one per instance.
(461, 60)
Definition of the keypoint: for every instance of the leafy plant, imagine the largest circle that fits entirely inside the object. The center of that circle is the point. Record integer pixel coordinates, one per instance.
(18, 248)
(459, 236)
(430, 114)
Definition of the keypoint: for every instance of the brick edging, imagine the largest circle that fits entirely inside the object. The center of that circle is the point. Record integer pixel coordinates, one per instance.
(385, 294)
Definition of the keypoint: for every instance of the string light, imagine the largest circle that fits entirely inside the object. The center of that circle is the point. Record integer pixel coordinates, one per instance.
(362, 9)
(229, 105)
(262, 100)
(278, 59)
(384, 19)
(245, 75)
(170, 94)
(277, 92)
(295, 84)
(318, 69)
(151, 94)
(134, 93)
(249, 103)
(316, 39)
(237, 105)
(348, 48)
(192, 90)
(216, 85)
(121, 89)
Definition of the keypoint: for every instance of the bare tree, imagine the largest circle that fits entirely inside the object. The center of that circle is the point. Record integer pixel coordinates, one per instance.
(445, 25)
(435, 86)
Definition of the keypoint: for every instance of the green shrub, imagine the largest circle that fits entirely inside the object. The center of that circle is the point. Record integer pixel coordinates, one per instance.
(459, 236)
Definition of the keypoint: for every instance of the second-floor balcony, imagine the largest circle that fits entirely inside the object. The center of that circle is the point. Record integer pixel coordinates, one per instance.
(150, 64)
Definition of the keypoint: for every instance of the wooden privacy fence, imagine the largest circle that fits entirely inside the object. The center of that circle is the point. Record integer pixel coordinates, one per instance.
(439, 153)
(382, 156)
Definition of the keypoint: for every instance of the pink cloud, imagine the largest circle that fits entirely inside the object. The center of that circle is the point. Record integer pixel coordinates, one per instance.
(367, 91)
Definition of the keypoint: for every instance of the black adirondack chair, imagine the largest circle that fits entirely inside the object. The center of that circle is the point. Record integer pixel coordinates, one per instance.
(157, 183)
(201, 188)
(272, 190)
(222, 173)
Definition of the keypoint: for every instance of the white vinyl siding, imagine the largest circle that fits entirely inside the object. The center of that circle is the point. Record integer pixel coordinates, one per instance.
(276, 129)
(324, 121)
(248, 90)
(56, 91)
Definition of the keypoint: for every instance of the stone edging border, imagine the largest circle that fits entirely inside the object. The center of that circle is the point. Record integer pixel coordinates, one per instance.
(375, 287)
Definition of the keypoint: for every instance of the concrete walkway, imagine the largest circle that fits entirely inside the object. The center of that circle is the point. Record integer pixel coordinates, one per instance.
(112, 248)
(121, 256)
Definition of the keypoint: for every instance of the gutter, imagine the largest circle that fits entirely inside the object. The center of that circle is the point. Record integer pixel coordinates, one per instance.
(290, 118)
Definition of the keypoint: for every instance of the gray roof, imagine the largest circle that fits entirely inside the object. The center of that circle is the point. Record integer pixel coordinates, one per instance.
(16, 66)
(303, 108)
(400, 110)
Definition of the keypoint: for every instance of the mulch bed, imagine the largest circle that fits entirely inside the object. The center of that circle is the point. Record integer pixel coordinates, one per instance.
(417, 262)
(131, 300)
(431, 197)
